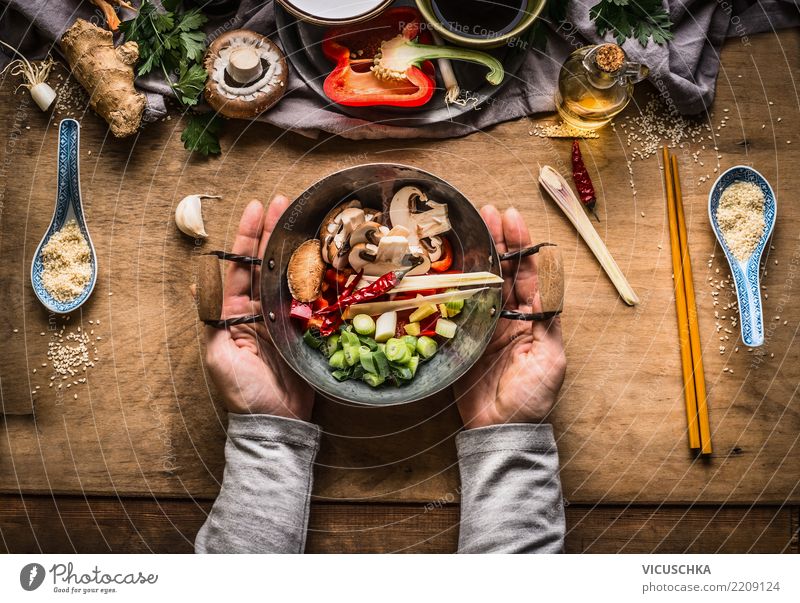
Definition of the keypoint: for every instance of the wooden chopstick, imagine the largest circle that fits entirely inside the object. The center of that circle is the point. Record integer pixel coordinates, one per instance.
(691, 306)
(689, 393)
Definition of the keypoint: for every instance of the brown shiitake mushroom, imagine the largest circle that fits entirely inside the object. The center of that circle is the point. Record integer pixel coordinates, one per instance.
(247, 74)
(305, 271)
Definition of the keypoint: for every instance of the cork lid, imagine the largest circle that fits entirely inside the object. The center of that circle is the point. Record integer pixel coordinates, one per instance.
(609, 58)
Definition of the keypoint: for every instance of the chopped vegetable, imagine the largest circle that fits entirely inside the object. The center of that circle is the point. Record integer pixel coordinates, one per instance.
(363, 324)
(453, 307)
(426, 347)
(397, 351)
(423, 311)
(312, 339)
(444, 262)
(337, 360)
(385, 326)
(300, 310)
(446, 328)
(372, 379)
(412, 328)
(442, 310)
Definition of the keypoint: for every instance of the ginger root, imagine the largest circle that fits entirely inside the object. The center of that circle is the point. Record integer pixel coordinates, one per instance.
(107, 75)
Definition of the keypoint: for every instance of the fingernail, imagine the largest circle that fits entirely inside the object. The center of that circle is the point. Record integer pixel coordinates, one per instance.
(512, 212)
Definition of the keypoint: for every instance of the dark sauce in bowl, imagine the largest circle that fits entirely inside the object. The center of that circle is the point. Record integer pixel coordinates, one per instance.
(480, 19)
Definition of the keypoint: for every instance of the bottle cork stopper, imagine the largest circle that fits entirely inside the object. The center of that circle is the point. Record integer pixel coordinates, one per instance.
(609, 58)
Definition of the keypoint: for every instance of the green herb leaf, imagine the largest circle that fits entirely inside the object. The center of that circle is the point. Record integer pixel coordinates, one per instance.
(190, 84)
(642, 20)
(201, 134)
(172, 42)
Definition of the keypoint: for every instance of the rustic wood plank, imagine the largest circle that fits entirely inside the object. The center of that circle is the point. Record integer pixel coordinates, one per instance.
(147, 422)
(130, 525)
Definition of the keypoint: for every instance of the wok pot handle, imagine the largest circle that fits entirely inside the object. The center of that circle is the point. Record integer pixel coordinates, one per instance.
(209, 289)
(550, 280)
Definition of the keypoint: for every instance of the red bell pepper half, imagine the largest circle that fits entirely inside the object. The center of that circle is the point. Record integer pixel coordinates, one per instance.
(353, 47)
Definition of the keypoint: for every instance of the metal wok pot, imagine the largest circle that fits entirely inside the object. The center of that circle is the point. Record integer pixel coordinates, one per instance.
(473, 250)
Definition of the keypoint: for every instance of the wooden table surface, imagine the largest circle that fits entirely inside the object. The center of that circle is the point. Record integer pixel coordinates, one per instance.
(133, 463)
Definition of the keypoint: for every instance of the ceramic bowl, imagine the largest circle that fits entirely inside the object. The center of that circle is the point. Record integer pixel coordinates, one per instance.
(325, 12)
(532, 11)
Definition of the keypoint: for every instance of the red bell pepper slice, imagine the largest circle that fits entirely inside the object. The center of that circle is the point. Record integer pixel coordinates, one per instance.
(446, 260)
(300, 310)
(352, 82)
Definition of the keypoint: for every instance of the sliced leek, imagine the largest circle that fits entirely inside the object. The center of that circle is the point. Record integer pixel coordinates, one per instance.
(562, 194)
(373, 308)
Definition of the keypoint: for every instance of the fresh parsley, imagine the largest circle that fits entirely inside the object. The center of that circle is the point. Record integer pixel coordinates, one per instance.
(201, 134)
(639, 19)
(170, 40)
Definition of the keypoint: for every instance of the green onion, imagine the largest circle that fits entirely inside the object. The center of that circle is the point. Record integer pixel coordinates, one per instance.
(363, 324)
(368, 362)
(397, 350)
(403, 372)
(342, 374)
(411, 342)
(372, 379)
(381, 364)
(426, 347)
(369, 342)
(413, 364)
(337, 360)
(351, 354)
(312, 340)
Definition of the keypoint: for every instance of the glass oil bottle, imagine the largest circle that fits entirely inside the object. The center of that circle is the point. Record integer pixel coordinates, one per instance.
(596, 83)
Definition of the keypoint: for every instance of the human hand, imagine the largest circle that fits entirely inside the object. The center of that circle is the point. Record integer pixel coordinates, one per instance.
(244, 365)
(519, 376)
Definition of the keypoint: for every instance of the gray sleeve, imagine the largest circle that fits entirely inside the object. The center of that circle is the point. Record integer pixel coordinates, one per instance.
(266, 488)
(510, 490)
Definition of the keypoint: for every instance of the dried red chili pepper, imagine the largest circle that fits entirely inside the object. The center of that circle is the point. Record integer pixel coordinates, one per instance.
(331, 321)
(580, 175)
(375, 289)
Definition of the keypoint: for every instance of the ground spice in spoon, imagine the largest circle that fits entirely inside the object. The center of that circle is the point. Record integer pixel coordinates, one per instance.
(66, 260)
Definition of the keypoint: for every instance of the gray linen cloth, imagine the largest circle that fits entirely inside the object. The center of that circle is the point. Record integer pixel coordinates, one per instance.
(686, 69)
(511, 493)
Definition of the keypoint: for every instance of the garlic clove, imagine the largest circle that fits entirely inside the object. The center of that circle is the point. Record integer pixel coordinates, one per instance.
(189, 216)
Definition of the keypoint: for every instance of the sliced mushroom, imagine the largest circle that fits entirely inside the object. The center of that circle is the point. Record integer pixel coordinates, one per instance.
(305, 270)
(350, 219)
(412, 209)
(433, 246)
(392, 248)
(331, 226)
(360, 256)
(368, 232)
(338, 250)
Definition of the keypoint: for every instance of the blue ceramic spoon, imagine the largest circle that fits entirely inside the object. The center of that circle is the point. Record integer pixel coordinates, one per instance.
(68, 207)
(746, 273)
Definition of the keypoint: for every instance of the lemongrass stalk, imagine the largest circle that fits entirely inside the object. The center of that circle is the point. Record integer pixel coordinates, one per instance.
(562, 194)
(436, 281)
(374, 308)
